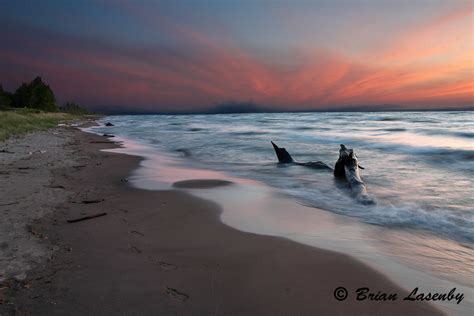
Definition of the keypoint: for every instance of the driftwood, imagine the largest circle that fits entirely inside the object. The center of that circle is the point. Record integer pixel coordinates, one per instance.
(85, 218)
(55, 186)
(176, 294)
(284, 157)
(347, 166)
(92, 201)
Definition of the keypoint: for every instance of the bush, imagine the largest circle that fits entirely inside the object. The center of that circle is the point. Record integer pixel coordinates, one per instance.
(74, 109)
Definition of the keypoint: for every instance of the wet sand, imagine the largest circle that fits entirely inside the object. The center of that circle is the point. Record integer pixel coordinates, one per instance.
(167, 253)
(201, 183)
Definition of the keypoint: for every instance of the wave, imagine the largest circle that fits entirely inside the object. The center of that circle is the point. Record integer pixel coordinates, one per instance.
(464, 134)
(395, 129)
(422, 121)
(404, 215)
(467, 155)
(362, 144)
(388, 119)
(406, 119)
(460, 134)
(184, 151)
(249, 133)
(303, 128)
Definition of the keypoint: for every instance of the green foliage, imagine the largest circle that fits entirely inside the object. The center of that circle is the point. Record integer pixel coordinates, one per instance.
(32, 104)
(36, 95)
(5, 98)
(28, 120)
(22, 96)
(74, 109)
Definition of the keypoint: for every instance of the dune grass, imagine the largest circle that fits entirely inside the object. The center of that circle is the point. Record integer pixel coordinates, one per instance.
(25, 121)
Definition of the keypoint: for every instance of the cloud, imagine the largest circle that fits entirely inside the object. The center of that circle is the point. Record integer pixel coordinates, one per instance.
(191, 69)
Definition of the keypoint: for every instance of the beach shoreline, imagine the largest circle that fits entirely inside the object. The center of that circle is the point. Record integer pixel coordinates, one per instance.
(167, 252)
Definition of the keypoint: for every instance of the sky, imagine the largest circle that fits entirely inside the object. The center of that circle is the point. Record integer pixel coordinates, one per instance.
(171, 56)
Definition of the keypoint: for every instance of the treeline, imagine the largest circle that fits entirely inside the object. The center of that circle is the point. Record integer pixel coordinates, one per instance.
(36, 95)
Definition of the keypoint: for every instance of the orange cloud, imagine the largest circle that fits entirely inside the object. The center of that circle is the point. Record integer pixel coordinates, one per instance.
(428, 65)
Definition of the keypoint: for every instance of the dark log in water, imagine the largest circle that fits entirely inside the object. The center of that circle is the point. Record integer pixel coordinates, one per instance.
(314, 165)
(347, 166)
(284, 157)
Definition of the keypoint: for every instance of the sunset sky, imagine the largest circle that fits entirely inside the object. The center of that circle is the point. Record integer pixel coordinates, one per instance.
(191, 55)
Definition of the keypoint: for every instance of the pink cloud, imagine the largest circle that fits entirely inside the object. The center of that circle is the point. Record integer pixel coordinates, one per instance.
(202, 70)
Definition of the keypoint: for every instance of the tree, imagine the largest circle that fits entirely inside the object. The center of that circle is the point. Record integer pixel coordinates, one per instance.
(5, 98)
(73, 108)
(42, 97)
(22, 95)
(36, 95)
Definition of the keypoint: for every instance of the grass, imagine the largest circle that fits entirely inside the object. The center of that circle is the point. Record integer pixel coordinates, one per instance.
(22, 121)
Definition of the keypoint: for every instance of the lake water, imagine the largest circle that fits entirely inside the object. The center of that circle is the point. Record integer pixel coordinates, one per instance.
(419, 168)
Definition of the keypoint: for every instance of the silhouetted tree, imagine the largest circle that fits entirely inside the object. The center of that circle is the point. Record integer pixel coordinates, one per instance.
(22, 96)
(42, 97)
(5, 98)
(36, 95)
(73, 108)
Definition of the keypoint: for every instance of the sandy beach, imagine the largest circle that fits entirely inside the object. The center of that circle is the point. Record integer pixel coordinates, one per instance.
(154, 252)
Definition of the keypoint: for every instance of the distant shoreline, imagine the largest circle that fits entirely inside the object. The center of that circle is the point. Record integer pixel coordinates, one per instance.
(103, 113)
